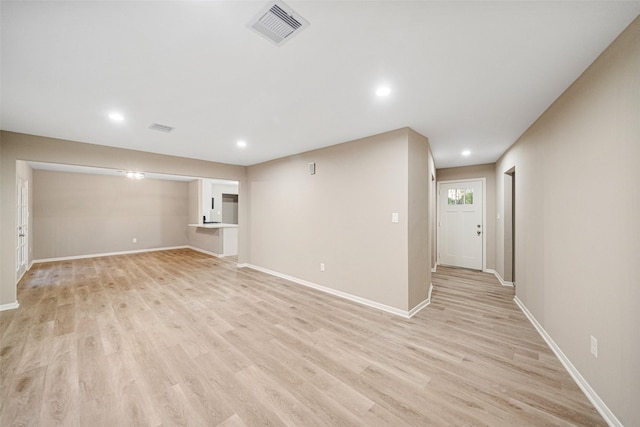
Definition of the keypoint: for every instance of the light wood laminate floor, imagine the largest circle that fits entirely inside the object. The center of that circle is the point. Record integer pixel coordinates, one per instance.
(181, 338)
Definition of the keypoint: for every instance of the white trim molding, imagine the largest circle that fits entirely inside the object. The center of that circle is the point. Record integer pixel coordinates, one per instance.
(398, 312)
(22, 275)
(422, 305)
(499, 277)
(593, 397)
(66, 258)
(10, 306)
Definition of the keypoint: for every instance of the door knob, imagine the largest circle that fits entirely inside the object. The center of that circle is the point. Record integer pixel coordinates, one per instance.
(20, 235)
(479, 232)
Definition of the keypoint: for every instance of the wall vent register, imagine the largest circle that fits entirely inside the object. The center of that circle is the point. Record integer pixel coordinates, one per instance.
(161, 128)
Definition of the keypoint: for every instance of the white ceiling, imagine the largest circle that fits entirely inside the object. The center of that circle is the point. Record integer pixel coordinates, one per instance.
(468, 75)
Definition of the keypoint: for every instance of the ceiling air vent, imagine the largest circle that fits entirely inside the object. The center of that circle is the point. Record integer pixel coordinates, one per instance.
(277, 23)
(161, 128)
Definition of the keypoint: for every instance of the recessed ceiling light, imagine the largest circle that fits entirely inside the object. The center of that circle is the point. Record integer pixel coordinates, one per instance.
(383, 91)
(241, 144)
(134, 175)
(116, 117)
(466, 153)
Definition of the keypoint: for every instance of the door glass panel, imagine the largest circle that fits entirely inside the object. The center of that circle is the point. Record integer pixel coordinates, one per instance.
(468, 196)
(451, 197)
(460, 196)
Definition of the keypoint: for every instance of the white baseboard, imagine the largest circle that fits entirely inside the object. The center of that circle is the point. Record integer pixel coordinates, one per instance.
(593, 397)
(502, 281)
(206, 252)
(67, 258)
(21, 276)
(10, 306)
(422, 305)
(403, 313)
(434, 269)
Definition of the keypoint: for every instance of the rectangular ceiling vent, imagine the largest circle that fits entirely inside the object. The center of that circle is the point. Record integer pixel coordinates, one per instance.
(161, 128)
(277, 23)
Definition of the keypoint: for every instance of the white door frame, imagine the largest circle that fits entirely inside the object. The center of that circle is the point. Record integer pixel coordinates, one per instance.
(484, 217)
(22, 227)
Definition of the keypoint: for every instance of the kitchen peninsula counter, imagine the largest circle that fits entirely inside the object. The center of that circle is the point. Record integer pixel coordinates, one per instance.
(219, 239)
(214, 225)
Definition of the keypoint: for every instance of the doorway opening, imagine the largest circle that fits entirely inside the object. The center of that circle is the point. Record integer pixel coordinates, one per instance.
(510, 226)
(229, 208)
(433, 215)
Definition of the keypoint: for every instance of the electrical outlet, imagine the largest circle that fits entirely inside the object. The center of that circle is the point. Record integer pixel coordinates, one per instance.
(134, 240)
(394, 217)
(322, 266)
(594, 346)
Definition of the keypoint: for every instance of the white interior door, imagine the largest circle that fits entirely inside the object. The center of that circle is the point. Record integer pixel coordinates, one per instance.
(22, 222)
(460, 224)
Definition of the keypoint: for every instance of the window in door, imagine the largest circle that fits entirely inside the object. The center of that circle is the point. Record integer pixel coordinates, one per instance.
(460, 196)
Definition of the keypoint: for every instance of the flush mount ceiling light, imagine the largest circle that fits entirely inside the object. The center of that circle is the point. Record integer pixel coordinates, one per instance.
(116, 117)
(277, 23)
(383, 91)
(466, 153)
(134, 175)
(241, 144)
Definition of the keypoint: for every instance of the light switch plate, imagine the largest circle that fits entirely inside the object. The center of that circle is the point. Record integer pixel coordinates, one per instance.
(394, 217)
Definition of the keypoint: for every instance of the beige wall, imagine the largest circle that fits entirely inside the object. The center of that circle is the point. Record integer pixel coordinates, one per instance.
(81, 214)
(341, 217)
(486, 171)
(17, 146)
(420, 216)
(577, 238)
